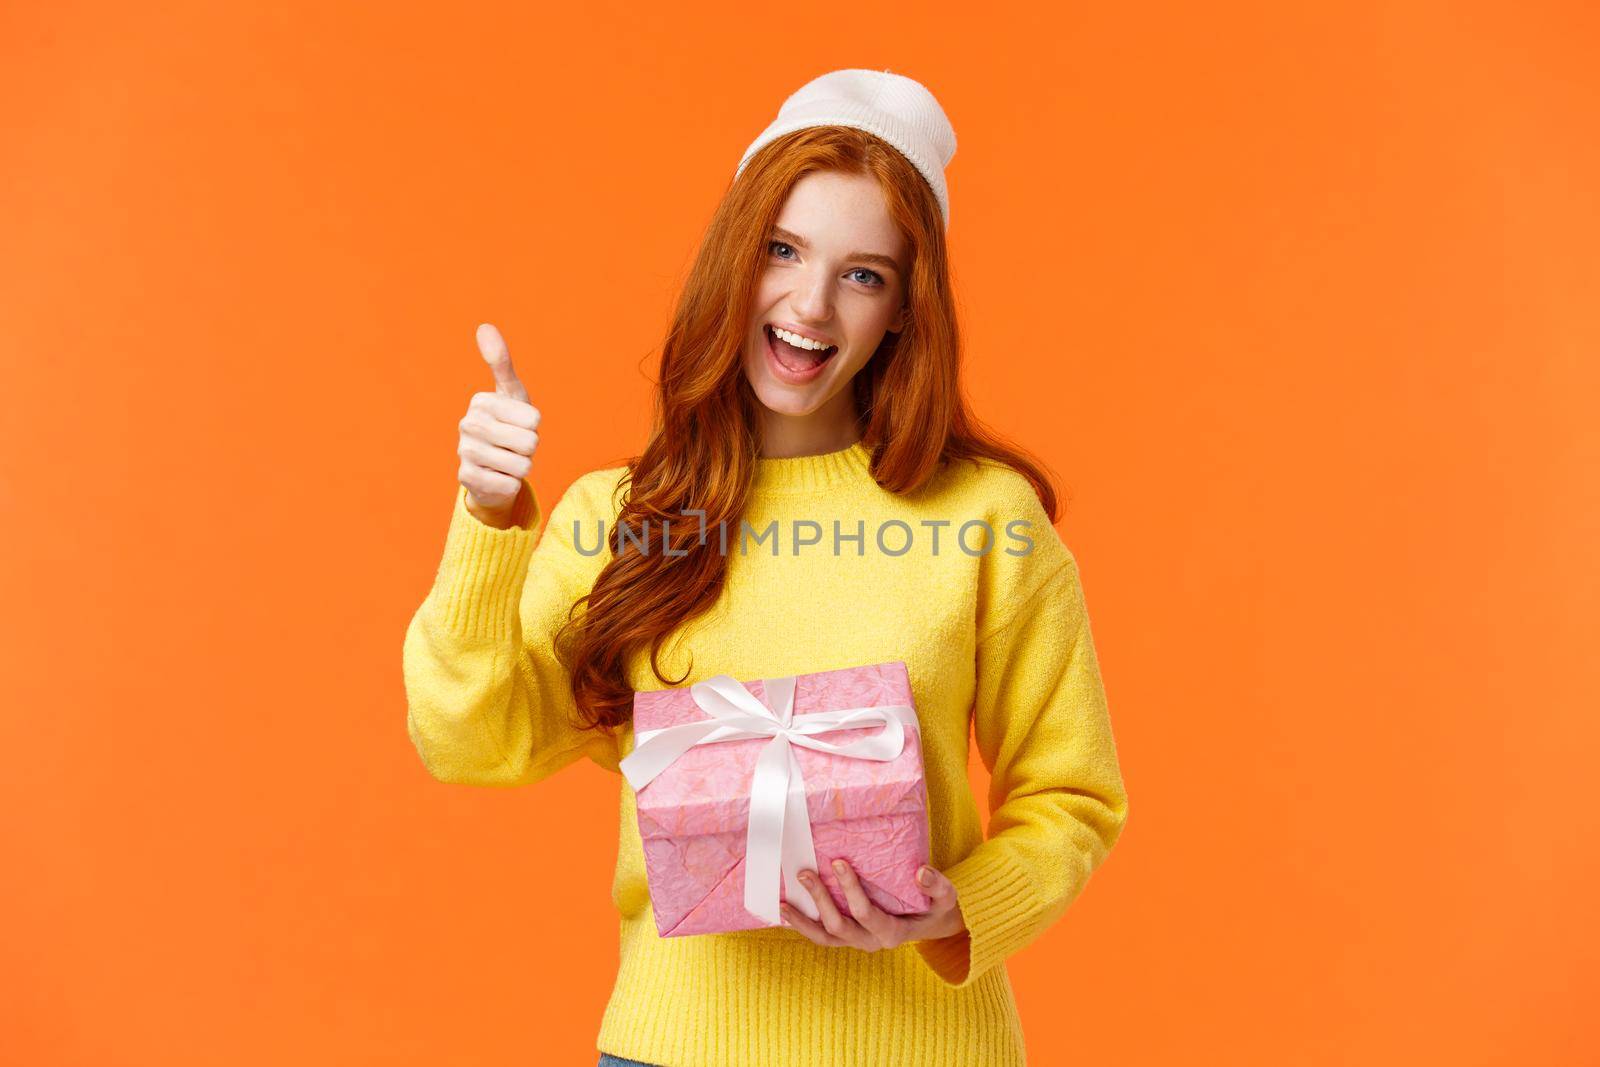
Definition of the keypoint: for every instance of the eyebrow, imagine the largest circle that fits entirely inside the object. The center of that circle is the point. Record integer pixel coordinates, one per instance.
(864, 257)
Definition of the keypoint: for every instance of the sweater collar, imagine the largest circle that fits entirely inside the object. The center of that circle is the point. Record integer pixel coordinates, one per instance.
(809, 474)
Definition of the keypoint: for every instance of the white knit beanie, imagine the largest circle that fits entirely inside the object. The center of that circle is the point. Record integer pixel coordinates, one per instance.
(898, 109)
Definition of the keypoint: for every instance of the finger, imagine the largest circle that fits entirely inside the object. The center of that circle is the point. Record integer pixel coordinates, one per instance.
(936, 885)
(832, 921)
(481, 424)
(807, 926)
(506, 409)
(865, 911)
(485, 484)
(515, 464)
(498, 356)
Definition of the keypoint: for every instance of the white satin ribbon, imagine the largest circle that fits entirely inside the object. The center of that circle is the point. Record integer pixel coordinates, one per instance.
(779, 837)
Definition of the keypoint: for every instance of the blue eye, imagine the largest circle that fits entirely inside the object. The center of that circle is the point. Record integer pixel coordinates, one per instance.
(877, 278)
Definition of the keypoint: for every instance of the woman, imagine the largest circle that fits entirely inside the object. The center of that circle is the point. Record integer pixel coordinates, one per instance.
(810, 380)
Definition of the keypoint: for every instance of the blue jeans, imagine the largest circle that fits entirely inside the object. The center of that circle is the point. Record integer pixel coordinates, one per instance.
(608, 1060)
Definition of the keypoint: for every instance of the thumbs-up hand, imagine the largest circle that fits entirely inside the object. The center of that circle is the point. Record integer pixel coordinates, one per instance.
(498, 438)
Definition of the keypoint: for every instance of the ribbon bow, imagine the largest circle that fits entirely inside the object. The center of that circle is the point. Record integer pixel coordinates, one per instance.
(779, 837)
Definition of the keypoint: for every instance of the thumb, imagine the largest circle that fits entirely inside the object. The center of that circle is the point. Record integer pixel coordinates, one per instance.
(495, 353)
(935, 884)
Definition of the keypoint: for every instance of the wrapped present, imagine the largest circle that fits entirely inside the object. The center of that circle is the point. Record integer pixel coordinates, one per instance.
(739, 788)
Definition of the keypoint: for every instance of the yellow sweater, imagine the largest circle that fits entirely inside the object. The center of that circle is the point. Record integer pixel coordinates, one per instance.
(997, 642)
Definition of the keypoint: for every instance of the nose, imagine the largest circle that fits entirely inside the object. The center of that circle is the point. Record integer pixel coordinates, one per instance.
(813, 298)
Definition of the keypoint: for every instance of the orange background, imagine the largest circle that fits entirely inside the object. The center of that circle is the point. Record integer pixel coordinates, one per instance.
(1300, 301)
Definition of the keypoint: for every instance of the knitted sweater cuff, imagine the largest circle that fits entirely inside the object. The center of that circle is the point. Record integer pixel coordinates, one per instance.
(998, 903)
(479, 583)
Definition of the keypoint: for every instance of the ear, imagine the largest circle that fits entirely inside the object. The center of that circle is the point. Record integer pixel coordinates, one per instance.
(901, 317)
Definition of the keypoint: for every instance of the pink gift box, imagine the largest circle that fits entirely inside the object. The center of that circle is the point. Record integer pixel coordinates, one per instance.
(694, 813)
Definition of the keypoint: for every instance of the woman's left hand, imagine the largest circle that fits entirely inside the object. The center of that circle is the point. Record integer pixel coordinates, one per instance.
(868, 927)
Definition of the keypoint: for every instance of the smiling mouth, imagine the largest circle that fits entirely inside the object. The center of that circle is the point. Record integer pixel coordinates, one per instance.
(799, 360)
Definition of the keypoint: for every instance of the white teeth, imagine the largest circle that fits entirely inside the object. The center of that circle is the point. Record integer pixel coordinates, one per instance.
(798, 341)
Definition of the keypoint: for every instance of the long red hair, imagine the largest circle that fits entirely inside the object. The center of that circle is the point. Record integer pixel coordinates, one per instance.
(704, 438)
